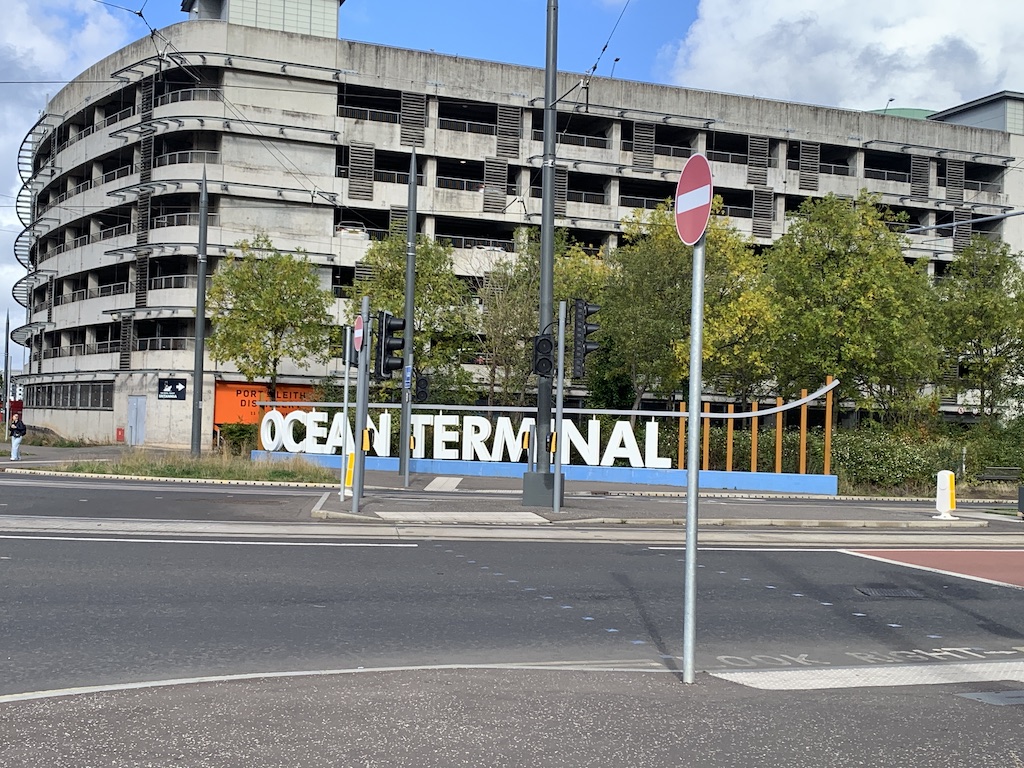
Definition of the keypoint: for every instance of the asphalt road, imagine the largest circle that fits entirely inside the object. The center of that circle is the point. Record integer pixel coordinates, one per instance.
(229, 642)
(495, 653)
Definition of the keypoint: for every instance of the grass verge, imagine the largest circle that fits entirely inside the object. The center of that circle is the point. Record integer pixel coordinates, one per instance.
(221, 467)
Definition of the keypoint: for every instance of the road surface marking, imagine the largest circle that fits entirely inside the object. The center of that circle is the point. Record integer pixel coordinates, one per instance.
(940, 571)
(872, 677)
(119, 540)
(443, 484)
(500, 518)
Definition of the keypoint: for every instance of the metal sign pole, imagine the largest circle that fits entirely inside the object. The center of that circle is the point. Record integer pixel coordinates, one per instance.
(558, 432)
(692, 459)
(344, 410)
(362, 404)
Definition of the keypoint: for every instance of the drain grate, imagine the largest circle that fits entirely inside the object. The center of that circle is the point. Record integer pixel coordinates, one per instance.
(889, 592)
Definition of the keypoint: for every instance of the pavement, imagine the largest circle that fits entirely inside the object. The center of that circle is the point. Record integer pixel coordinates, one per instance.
(440, 499)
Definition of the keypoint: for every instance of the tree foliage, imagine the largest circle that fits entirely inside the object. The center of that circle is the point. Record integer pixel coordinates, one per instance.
(981, 308)
(738, 313)
(849, 305)
(645, 306)
(267, 307)
(446, 314)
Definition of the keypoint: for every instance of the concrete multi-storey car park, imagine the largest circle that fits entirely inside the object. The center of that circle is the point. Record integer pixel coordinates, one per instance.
(309, 138)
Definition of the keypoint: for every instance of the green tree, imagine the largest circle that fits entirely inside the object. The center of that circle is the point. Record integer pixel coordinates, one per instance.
(511, 296)
(446, 313)
(981, 311)
(266, 307)
(848, 304)
(645, 307)
(738, 312)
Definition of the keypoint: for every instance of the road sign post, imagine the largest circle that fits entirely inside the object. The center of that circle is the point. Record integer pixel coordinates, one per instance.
(692, 209)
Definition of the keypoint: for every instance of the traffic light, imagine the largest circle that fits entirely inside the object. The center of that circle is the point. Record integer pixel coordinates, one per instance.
(385, 362)
(422, 391)
(544, 355)
(580, 330)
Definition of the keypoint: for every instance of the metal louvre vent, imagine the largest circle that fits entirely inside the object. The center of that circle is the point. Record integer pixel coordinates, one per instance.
(962, 233)
(495, 177)
(955, 180)
(561, 190)
(757, 160)
(764, 202)
(643, 145)
(510, 130)
(414, 119)
(360, 171)
(920, 173)
(810, 165)
(363, 271)
(399, 218)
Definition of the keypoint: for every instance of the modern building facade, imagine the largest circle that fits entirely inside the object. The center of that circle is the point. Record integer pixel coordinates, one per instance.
(309, 138)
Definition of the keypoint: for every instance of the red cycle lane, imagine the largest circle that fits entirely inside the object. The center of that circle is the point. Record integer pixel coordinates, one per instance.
(1002, 566)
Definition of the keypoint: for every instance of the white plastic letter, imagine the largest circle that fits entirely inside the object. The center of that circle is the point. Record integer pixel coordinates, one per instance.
(475, 431)
(622, 445)
(272, 430)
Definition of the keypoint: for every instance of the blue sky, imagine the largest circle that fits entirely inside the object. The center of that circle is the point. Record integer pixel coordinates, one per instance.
(855, 54)
(645, 34)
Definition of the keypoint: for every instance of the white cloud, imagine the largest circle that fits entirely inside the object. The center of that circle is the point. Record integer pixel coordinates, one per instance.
(42, 40)
(854, 53)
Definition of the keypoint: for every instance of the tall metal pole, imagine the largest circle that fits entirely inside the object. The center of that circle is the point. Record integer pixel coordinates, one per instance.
(547, 230)
(556, 505)
(362, 403)
(692, 458)
(7, 368)
(197, 372)
(405, 427)
(344, 412)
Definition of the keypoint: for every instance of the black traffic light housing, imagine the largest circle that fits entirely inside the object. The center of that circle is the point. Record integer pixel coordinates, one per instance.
(581, 329)
(422, 392)
(544, 355)
(385, 362)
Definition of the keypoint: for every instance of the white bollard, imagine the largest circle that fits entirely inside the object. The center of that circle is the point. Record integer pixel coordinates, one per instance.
(945, 495)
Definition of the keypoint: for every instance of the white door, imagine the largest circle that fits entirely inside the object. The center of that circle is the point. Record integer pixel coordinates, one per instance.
(136, 420)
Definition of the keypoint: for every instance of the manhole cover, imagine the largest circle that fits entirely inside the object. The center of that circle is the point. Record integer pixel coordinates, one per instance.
(889, 592)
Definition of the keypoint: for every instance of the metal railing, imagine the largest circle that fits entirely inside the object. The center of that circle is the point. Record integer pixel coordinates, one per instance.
(165, 282)
(85, 186)
(648, 203)
(833, 169)
(197, 156)
(111, 289)
(91, 129)
(182, 220)
(164, 343)
(993, 187)
(577, 139)
(467, 126)
(592, 198)
(467, 185)
(374, 115)
(882, 175)
(477, 243)
(189, 94)
(397, 177)
(736, 158)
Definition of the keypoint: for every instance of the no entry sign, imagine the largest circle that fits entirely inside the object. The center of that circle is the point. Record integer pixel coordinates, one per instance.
(357, 333)
(693, 199)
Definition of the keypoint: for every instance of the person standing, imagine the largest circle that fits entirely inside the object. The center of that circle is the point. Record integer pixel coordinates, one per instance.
(17, 433)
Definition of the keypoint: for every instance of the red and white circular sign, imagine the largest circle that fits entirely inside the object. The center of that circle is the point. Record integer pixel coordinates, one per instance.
(357, 333)
(693, 199)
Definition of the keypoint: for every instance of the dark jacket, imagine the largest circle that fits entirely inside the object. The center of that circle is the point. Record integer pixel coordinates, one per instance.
(18, 428)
